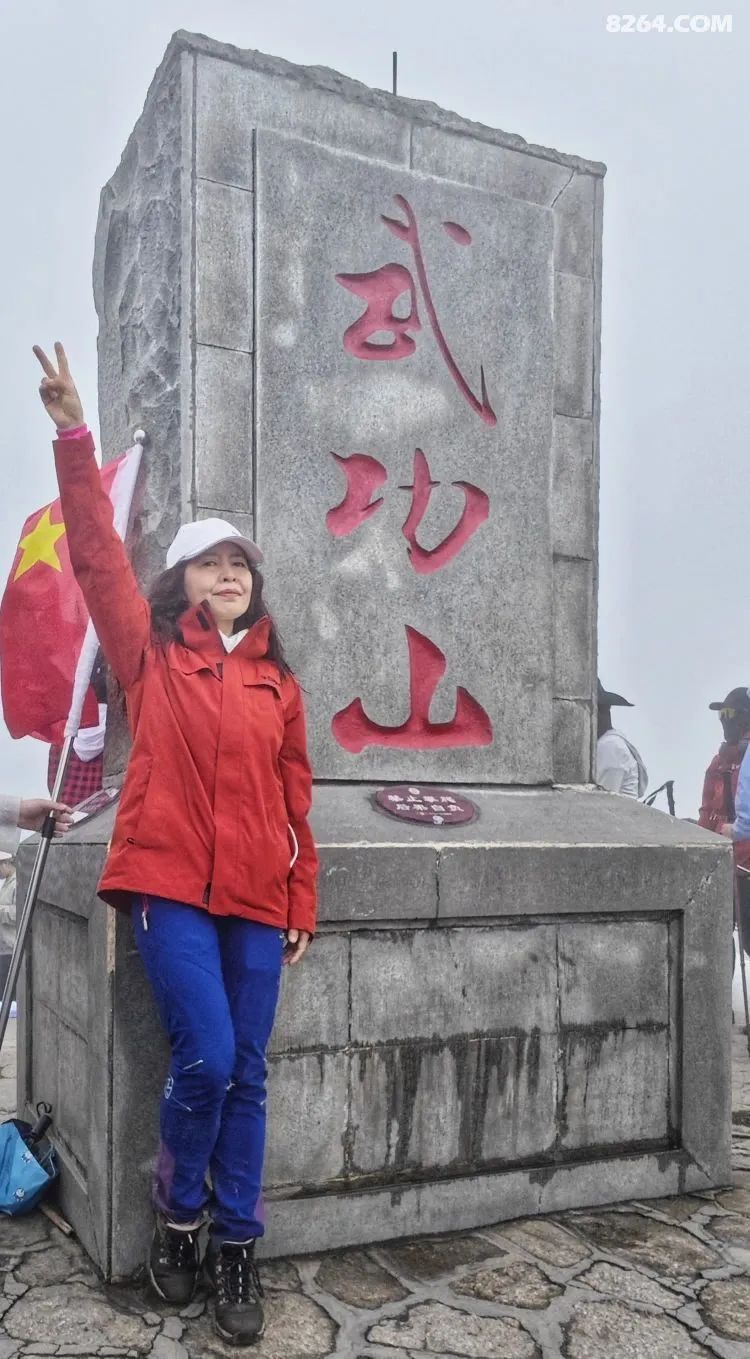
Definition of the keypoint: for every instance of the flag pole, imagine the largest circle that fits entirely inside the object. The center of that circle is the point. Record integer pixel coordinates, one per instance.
(42, 850)
(81, 682)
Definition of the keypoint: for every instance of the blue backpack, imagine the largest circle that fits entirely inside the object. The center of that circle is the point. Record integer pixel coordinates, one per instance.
(28, 1165)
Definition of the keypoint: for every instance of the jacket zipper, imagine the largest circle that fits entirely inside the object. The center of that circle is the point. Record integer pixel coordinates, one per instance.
(144, 911)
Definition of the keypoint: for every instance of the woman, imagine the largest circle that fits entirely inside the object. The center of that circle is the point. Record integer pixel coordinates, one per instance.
(211, 853)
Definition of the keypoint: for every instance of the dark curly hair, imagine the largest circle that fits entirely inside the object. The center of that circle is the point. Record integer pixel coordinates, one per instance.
(169, 601)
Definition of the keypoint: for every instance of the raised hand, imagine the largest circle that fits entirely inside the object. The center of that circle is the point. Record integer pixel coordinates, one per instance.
(58, 390)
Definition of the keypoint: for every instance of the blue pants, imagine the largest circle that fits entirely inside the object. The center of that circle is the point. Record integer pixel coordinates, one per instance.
(216, 983)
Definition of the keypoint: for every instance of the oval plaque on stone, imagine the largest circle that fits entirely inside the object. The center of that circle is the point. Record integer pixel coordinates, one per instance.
(433, 806)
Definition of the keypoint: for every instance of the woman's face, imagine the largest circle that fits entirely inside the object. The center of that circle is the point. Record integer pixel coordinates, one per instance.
(222, 577)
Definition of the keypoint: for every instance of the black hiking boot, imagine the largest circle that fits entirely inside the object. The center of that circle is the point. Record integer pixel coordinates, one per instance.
(173, 1263)
(232, 1271)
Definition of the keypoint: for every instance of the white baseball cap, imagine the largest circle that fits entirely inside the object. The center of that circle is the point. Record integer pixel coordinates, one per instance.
(193, 539)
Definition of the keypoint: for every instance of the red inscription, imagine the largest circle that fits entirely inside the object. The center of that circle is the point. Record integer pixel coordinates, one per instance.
(381, 290)
(363, 475)
(476, 510)
(470, 726)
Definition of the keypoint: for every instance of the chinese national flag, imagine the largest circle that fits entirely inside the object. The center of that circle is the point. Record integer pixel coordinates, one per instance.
(43, 620)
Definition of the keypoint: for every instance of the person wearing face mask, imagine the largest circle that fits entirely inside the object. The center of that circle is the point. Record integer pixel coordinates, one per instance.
(717, 811)
(725, 806)
(211, 856)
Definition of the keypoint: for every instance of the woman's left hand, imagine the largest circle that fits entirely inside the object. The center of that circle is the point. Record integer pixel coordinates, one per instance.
(297, 944)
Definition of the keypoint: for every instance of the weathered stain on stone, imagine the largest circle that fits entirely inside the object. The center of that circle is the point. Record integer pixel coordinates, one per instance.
(517, 1284)
(543, 1239)
(669, 1250)
(354, 1278)
(429, 1257)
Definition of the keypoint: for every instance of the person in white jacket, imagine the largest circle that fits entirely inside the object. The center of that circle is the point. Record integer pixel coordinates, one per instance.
(17, 814)
(619, 767)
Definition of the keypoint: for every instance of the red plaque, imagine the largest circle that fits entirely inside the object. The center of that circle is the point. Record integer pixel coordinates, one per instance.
(425, 804)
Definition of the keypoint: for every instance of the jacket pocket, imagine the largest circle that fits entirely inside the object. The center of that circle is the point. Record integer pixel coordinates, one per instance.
(134, 797)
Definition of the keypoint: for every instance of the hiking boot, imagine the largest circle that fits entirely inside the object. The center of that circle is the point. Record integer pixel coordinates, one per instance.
(173, 1262)
(232, 1271)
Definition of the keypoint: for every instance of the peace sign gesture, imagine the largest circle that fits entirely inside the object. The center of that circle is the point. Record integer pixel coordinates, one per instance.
(58, 390)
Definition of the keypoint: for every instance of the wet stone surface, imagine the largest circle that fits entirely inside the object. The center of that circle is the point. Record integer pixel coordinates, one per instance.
(546, 1240)
(665, 1249)
(432, 1256)
(517, 1284)
(359, 1281)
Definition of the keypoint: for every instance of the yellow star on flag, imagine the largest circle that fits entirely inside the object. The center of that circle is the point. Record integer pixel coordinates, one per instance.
(39, 545)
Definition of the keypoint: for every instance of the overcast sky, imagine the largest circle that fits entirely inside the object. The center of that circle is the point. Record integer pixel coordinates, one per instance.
(667, 113)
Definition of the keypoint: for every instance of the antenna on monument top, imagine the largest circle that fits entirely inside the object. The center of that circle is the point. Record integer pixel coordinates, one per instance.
(395, 72)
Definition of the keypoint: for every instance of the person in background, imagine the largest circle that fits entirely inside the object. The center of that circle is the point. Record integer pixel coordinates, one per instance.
(720, 783)
(17, 814)
(738, 827)
(84, 774)
(619, 767)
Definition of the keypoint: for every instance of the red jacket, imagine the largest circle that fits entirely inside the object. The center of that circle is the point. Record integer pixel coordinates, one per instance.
(218, 784)
(719, 792)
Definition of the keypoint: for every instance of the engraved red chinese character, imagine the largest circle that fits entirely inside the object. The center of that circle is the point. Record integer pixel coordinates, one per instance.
(470, 726)
(476, 510)
(381, 290)
(365, 474)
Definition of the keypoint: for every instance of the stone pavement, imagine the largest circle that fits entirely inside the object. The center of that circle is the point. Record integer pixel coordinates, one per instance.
(666, 1280)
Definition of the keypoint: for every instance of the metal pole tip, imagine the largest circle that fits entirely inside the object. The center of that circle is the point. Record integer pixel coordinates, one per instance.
(139, 436)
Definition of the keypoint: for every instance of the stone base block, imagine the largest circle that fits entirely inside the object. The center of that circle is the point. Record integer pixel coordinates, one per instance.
(527, 1014)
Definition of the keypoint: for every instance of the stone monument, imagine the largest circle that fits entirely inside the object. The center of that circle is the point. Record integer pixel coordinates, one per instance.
(368, 331)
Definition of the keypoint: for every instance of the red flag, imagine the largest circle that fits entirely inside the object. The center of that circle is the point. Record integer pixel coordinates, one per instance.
(43, 620)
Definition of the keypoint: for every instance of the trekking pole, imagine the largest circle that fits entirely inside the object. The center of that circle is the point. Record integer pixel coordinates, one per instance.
(738, 923)
(32, 892)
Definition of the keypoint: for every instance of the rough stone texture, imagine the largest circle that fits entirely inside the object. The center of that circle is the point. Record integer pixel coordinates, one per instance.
(546, 1241)
(572, 502)
(666, 1249)
(629, 1286)
(435, 1328)
(609, 1330)
(55, 1266)
(725, 1305)
(517, 1284)
(358, 1280)
(67, 1314)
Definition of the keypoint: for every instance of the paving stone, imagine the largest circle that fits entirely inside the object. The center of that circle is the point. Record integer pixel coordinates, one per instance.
(296, 1328)
(725, 1305)
(173, 1328)
(666, 1250)
(13, 1287)
(518, 1284)
(279, 1274)
(152, 1318)
(8, 1347)
(630, 1286)
(610, 1330)
(736, 1200)
(22, 1233)
(679, 1209)
(41, 1349)
(355, 1279)
(167, 1348)
(56, 1265)
(546, 1241)
(735, 1231)
(436, 1329)
(68, 1314)
(429, 1257)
